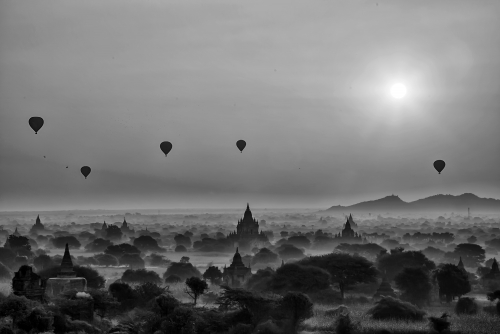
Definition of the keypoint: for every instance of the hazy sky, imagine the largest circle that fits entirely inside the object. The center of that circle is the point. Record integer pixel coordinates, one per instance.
(305, 83)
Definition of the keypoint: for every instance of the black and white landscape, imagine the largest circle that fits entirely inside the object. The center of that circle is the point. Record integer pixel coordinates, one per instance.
(244, 167)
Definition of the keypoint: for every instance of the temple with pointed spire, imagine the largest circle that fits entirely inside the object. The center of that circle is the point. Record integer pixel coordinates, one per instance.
(126, 229)
(66, 279)
(348, 235)
(237, 273)
(460, 264)
(16, 233)
(38, 226)
(247, 231)
(384, 290)
(494, 274)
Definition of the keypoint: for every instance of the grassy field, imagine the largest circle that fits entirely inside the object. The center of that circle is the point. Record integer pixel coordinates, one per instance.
(481, 323)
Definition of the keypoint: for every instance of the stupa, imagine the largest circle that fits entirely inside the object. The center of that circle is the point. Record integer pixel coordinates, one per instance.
(66, 279)
(237, 273)
(384, 290)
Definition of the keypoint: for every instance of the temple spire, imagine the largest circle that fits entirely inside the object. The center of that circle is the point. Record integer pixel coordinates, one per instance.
(67, 264)
(460, 264)
(37, 219)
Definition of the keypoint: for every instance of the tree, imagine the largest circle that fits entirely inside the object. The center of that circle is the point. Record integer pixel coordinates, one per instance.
(157, 260)
(472, 239)
(182, 240)
(392, 264)
(184, 259)
(415, 284)
(250, 302)
(183, 270)
(98, 245)
(195, 287)
(121, 249)
(132, 260)
(124, 294)
(299, 241)
(43, 261)
(147, 291)
(295, 277)
(288, 252)
(17, 243)
(260, 280)
(265, 256)
(298, 307)
(433, 253)
(452, 281)
(140, 276)
(60, 242)
(472, 255)
(180, 249)
(103, 301)
(213, 274)
(106, 260)
(146, 243)
(345, 270)
(15, 307)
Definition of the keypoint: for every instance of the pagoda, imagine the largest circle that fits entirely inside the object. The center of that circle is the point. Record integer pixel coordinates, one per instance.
(494, 273)
(247, 232)
(384, 290)
(38, 227)
(126, 229)
(28, 284)
(348, 235)
(237, 273)
(66, 279)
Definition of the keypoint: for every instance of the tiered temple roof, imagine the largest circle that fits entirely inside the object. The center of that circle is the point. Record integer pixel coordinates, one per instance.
(384, 289)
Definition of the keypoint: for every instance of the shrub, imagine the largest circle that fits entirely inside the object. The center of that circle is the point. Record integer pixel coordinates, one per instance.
(391, 308)
(439, 324)
(165, 304)
(466, 305)
(298, 307)
(344, 325)
(181, 321)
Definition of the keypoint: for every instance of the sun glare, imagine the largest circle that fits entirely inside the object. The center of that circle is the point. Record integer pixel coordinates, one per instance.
(398, 91)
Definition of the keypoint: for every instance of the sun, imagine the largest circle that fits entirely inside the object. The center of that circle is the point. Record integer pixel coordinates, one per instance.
(398, 91)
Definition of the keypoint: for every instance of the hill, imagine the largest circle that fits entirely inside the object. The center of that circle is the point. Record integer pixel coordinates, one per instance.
(437, 203)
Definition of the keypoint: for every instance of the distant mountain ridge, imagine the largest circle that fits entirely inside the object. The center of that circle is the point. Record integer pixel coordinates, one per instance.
(434, 203)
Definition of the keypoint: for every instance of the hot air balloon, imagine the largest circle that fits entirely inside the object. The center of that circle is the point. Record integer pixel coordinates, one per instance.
(439, 165)
(36, 123)
(166, 147)
(85, 171)
(241, 145)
